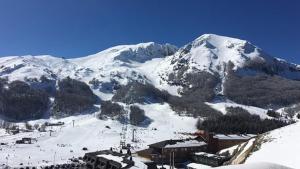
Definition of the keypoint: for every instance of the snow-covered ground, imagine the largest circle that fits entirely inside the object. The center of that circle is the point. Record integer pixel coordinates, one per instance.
(67, 141)
(259, 165)
(281, 146)
(221, 106)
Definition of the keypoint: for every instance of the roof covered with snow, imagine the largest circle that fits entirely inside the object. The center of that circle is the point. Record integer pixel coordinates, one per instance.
(208, 155)
(260, 165)
(234, 136)
(196, 166)
(115, 158)
(178, 143)
(186, 143)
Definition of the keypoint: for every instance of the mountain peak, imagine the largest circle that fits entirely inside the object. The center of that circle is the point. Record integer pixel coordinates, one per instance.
(218, 41)
(212, 53)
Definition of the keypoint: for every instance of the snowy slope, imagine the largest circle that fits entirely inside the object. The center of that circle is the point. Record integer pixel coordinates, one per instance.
(222, 105)
(259, 165)
(280, 146)
(127, 53)
(19, 67)
(119, 63)
(67, 141)
(212, 53)
(124, 63)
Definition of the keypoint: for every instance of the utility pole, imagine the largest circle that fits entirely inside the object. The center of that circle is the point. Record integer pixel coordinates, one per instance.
(7, 160)
(133, 135)
(161, 156)
(173, 160)
(54, 158)
(170, 162)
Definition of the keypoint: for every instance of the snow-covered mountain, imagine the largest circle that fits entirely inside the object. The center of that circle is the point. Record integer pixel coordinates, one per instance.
(213, 53)
(18, 67)
(153, 62)
(118, 63)
(202, 78)
(203, 65)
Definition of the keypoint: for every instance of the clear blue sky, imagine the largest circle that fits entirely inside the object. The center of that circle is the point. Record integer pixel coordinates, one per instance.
(73, 28)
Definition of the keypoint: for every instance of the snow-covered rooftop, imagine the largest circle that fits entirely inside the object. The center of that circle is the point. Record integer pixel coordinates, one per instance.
(118, 159)
(203, 154)
(196, 166)
(186, 143)
(260, 165)
(234, 136)
(178, 143)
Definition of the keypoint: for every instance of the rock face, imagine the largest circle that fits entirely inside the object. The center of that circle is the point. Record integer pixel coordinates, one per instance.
(210, 68)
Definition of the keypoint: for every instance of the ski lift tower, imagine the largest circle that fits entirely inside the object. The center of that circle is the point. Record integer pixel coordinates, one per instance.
(134, 135)
(123, 136)
(124, 130)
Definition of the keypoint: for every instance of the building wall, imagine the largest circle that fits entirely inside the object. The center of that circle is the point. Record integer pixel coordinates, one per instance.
(215, 144)
(207, 161)
(222, 144)
(181, 154)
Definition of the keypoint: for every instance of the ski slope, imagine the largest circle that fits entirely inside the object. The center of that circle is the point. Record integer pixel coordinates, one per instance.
(67, 141)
